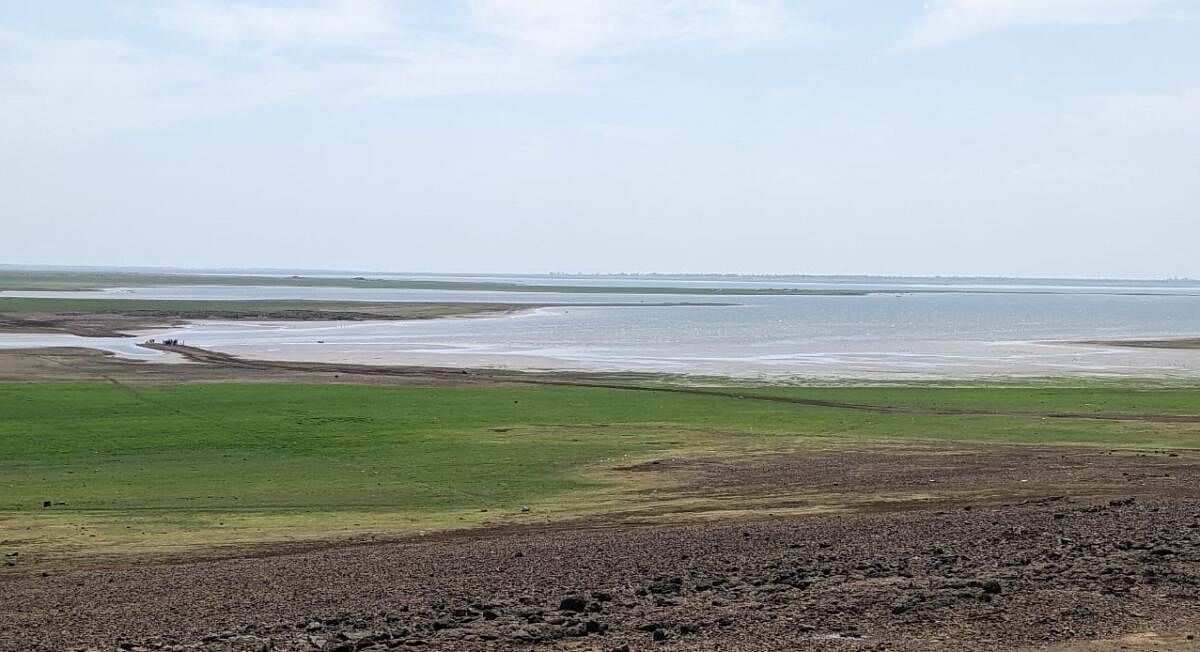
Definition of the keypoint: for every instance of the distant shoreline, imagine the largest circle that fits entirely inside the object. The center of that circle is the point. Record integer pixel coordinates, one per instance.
(11, 269)
(120, 317)
(82, 281)
(1163, 343)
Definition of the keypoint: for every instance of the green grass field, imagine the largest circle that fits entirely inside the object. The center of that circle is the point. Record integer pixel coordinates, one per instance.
(206, 463)
(1094, 396)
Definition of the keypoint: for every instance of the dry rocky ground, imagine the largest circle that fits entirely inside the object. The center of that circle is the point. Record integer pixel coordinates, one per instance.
(1117, 554)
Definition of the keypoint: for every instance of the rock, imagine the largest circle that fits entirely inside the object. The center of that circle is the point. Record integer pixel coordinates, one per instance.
(314, 625)
(659, 635)
(624, 647)
(573, 603)
(992, 586)
(664, 588)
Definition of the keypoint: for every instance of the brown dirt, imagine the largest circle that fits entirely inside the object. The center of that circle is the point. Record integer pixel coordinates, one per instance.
(1170, 343)
(71, 363)
(993, 564)
(960, 473)
(120, 322)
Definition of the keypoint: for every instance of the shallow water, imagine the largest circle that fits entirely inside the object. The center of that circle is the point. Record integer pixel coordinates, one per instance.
(970, 332)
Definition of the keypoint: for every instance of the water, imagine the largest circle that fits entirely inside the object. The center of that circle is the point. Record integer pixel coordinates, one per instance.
(968, 329)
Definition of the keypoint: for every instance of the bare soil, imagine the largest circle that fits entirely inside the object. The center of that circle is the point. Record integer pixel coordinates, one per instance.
(1169, 343)
(992, 562)
(119, 323)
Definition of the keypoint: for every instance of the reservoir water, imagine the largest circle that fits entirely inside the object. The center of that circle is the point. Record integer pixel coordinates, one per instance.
(961, 329)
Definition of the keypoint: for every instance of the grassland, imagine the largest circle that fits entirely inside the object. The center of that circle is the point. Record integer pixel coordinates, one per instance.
(58, 281)
(153, 467)
(1084, 396)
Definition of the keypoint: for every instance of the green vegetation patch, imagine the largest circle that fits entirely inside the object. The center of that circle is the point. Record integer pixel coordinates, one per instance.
(186, 458)
(1122, 398)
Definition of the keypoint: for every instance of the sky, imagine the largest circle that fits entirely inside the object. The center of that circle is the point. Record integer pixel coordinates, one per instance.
(948, 137)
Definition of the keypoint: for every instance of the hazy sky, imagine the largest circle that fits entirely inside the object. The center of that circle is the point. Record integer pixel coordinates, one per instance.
(978, 137)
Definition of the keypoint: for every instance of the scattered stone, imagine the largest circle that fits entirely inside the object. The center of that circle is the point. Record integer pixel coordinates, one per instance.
(573, 603)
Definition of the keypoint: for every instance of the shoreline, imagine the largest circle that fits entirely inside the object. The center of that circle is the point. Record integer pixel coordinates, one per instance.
(78, 281)
(1175, 343)
(117, 317)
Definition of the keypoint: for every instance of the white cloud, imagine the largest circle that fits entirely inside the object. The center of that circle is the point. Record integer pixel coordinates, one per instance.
(241, 54)
(602, 27)
(951, 20)
(627, 133)
(271, 26)
(1151, 112)
(572, 28)
(61, 88)
(439, 69)
(1070, 177)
